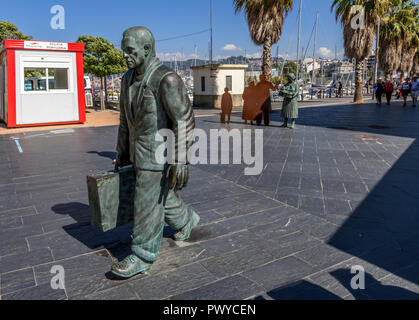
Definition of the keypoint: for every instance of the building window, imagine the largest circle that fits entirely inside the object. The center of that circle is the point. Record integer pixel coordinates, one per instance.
(203, 84)
(229, 83)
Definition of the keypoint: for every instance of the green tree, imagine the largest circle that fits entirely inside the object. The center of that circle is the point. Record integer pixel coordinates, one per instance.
(102, 59)
(9, 31)
(265, 19)
(358, 42)
(290, 67)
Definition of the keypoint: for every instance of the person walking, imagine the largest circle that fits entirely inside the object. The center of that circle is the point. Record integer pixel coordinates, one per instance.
(389, 88)
(379, 90)
(340, 89)
(290, 104)
(406, 89)
(414, 91)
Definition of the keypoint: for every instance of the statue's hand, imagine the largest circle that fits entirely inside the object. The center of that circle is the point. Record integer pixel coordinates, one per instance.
(119, 163)
(177, 175)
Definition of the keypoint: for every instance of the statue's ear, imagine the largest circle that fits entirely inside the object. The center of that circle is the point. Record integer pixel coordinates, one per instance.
(147, 49)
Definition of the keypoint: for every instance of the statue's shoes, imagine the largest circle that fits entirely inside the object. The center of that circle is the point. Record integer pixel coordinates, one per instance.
(284, 126)
(185, 232)
(130, 266)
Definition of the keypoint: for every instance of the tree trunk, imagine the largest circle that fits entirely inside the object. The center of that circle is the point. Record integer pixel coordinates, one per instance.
(358, 81)
(106, 89)
(266, 59)
(102, 98)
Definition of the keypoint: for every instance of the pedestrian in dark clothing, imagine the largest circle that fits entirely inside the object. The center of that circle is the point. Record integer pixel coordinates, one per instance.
(340, 89)
(379, 90)
(406, 86)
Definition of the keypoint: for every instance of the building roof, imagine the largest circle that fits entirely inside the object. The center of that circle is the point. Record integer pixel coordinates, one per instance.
(221, 66)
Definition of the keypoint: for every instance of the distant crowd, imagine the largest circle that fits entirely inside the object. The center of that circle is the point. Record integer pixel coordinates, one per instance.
(402, 89)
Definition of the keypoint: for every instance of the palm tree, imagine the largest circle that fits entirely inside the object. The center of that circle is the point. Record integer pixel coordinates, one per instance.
(411, 44)
(358, 42)
(265, 19)
(408, 55)
(398, 34)
(415, 69)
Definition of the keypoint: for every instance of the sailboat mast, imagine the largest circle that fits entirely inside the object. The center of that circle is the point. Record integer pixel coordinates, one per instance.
(299, 36)
(196, 54)
(211, 32)
(314, 50)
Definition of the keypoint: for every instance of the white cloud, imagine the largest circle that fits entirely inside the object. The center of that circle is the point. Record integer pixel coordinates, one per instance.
(231, 47)
(325, 52)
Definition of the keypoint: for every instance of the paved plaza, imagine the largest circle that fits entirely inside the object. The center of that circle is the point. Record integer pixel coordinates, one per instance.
(339, 191)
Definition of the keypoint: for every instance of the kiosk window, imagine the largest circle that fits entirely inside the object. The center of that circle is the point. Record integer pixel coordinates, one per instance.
(58, 78)
(35, 79)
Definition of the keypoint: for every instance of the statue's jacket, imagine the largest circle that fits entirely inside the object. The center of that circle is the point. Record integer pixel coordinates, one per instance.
(161, 103)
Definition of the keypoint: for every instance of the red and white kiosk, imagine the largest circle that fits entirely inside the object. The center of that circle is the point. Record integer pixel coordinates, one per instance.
(41, 83)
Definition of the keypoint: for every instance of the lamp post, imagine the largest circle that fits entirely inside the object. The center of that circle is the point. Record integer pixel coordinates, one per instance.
(377, 50)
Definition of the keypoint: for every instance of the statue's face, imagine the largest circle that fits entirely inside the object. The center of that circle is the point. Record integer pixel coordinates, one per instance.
(134, 54)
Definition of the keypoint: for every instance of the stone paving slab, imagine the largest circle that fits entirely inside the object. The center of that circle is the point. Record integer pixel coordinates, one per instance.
(334, 193)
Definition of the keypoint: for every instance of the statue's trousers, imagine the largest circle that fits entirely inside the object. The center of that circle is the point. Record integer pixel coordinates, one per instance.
(155, 204)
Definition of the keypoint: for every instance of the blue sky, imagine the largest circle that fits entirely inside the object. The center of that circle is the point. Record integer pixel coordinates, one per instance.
(168, 18)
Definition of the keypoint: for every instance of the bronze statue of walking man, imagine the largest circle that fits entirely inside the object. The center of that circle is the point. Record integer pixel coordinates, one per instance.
(153, 97)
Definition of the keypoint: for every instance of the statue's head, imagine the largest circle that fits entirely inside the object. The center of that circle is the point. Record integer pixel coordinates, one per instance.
(226, 90)
(291, 77)
(252, 84)
(138, 46)
(262, 77)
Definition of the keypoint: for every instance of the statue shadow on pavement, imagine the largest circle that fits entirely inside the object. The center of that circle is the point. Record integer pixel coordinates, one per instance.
(117, 241)
(374, 289)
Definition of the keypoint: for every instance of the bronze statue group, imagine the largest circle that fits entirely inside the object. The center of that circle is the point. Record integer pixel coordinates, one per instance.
(257, 102)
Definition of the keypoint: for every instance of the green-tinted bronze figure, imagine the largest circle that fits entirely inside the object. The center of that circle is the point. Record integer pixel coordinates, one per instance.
(290, 104)
(153, 97)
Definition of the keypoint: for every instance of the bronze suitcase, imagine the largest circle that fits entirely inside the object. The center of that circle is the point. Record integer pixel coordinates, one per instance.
(111, 198)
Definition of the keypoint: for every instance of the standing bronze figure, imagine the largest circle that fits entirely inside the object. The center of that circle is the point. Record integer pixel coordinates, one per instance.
(153, 97)
(290, 104)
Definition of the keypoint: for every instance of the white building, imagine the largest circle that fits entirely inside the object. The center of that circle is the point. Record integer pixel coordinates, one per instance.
(308, 65)
(210, 82)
